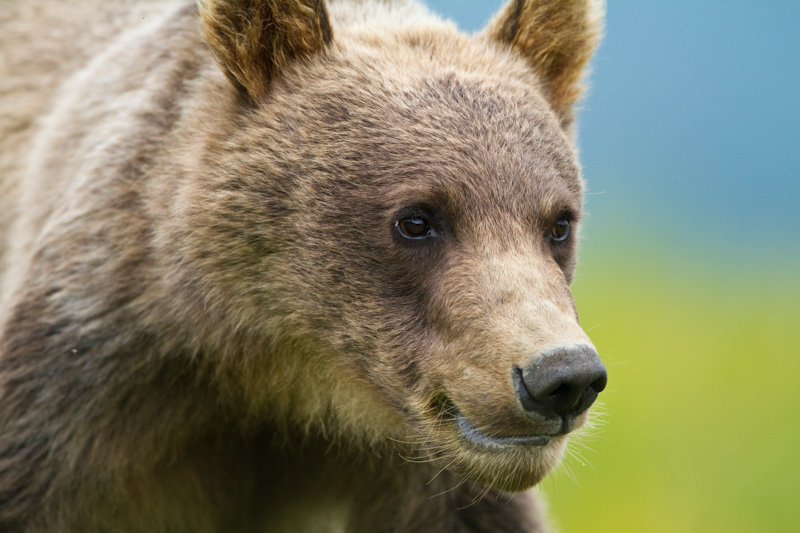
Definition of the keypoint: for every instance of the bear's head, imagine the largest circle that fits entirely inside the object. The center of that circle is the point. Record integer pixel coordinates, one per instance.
(385, 220)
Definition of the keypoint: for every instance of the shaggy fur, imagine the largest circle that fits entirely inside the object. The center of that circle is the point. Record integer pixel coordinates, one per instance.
(208, 318)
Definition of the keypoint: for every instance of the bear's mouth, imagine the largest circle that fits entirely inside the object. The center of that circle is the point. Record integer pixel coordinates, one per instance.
(476, 437)
(479, 438)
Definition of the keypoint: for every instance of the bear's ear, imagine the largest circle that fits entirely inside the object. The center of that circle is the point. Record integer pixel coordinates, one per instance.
(254, 40)
(557, 38)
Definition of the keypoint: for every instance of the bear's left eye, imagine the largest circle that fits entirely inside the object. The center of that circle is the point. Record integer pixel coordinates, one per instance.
(560, 230)
(413, 227)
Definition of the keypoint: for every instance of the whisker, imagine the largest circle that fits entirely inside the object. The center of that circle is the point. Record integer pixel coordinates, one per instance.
(451, 489)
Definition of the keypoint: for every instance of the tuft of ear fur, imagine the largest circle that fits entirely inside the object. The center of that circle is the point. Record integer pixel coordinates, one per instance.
(254, 40)
(557, 38)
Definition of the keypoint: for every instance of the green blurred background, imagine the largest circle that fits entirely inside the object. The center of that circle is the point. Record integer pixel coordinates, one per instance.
(689, 280)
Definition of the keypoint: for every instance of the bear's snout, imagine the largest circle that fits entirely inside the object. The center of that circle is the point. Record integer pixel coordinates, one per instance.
(563, 381)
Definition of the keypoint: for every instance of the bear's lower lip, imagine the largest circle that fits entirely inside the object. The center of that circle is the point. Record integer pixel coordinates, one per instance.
(479, 438)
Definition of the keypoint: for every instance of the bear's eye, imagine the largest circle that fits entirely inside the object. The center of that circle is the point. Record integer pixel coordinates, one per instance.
(413, 227)
(560, 230)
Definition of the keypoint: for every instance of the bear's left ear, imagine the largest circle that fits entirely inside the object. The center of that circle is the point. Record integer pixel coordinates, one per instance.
(254, 40)
(557, 38)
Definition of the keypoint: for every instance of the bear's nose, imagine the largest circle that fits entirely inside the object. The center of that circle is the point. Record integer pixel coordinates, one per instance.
(561, 381)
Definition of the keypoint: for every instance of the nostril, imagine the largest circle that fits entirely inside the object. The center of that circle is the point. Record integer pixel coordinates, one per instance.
(560, 381)
(599, 384)
(562, 390)
(525, 398)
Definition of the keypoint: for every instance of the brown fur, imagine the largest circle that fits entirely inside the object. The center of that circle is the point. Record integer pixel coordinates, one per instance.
(208, 321)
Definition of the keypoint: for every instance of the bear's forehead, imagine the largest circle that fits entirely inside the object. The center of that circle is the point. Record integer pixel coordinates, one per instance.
(433, 127)
(483, 143)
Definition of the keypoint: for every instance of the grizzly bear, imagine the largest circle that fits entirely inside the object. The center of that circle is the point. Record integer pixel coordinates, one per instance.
(288, 265)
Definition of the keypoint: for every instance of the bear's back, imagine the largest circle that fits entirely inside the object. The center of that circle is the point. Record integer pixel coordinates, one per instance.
(42, 44)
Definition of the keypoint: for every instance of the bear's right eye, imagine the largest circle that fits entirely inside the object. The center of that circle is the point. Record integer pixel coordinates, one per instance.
(413, 228)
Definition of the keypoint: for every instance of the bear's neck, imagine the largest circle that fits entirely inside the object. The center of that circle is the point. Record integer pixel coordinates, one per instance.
(264, 478)
(256, 481)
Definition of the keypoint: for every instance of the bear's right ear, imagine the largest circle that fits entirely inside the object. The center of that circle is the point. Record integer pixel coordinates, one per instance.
(254, 40)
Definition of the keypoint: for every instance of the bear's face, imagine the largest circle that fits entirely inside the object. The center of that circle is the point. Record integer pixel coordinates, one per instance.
(405, 229)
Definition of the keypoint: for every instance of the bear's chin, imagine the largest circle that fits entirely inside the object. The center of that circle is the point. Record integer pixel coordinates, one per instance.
(512, 467)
